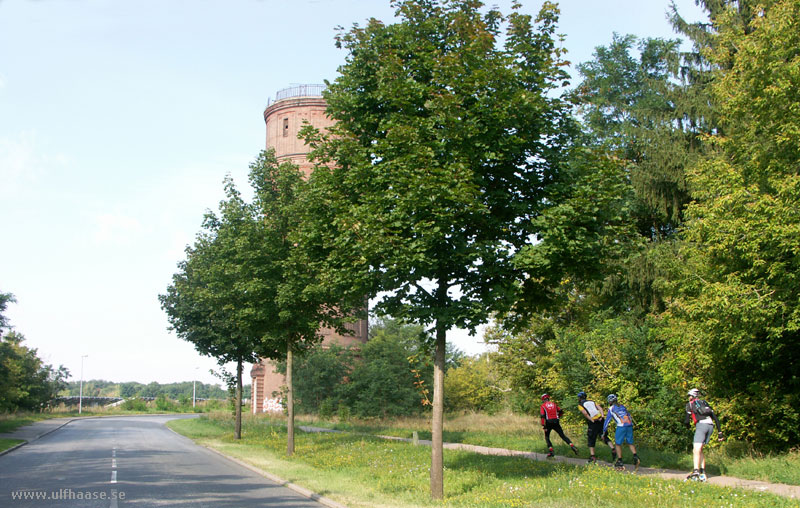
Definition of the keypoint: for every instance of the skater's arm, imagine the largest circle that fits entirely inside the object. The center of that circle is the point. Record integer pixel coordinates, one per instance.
(605, 424)
(716, 422)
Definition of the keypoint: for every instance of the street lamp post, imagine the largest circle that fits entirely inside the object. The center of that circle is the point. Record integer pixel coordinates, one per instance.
(194, 387)
(80, 396)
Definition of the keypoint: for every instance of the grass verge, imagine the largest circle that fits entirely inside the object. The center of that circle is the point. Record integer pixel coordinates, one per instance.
(519, 432)
(5, 444)
(364, 471)
(775, 469)
(12, 421)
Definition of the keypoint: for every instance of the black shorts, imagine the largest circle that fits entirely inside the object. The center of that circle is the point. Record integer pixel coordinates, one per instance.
(593, 431)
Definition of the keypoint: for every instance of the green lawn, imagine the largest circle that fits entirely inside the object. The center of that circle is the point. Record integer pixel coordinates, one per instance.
(524, 433)
(359, 470)
(5, 444)
(12, 421)
(775, 469)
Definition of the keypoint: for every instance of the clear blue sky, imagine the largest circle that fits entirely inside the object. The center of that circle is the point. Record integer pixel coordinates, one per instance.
(119, 120)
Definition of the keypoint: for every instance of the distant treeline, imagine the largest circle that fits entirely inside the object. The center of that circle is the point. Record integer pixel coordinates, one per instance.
(175, 391)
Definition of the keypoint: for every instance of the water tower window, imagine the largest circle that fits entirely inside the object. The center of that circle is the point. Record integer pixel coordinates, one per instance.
(285, 127)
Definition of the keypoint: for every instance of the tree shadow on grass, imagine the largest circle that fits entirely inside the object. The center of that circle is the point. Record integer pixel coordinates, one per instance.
(502, 467)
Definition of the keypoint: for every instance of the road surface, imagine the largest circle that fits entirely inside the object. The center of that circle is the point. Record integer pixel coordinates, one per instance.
(131, 461)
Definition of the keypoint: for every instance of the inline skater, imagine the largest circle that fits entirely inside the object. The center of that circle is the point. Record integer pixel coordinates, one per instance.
(624, 430)
(704, 418)
(593, 413)
(550, 414)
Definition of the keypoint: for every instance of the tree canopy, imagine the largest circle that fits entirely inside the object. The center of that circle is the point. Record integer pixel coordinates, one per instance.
(221, 299)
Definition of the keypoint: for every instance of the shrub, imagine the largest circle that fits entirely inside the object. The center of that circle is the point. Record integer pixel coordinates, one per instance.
(326, 408)
(472, 386)
(164, 404)
(134, 404)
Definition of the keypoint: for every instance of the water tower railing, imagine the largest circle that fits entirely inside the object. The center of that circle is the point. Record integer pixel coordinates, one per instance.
(297, 91)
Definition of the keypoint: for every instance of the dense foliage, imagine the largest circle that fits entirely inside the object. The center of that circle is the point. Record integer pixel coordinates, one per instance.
(688, 274)
(388, 376)
(737, 280)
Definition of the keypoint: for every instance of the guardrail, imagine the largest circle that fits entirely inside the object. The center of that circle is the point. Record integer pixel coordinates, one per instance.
(87, 401)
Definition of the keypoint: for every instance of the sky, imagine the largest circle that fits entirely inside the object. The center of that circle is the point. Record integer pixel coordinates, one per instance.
(119, 120)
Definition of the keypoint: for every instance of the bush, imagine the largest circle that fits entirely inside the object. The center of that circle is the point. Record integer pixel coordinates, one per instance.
(472, 386)
(383, 384)
(164, 404)
(134, 404)
(326, 408)
(343, 413)
(317, 377)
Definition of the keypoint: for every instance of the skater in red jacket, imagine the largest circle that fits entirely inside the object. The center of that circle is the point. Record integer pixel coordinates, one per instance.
(550, 413)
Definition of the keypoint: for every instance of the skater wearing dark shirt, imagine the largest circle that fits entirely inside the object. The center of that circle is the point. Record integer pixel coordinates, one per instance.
(704, 418)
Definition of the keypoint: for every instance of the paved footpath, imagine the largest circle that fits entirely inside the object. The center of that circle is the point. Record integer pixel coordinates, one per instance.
(790, 491)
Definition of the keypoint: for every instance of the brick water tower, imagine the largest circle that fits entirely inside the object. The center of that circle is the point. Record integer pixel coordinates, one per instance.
(284, 117)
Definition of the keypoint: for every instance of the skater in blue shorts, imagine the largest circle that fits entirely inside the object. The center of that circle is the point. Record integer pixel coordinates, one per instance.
(624, 431)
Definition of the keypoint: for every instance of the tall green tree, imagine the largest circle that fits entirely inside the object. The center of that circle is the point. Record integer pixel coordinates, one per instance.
(221, 299)
(305, 298)
(632, 100)
(449, 134)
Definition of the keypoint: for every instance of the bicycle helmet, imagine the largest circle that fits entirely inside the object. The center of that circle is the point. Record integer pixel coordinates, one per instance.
(612, 398)
(694, 392)
(581, 395)
(545, 397)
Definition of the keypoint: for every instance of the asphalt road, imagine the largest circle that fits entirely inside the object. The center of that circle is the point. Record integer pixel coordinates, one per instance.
(131, 461)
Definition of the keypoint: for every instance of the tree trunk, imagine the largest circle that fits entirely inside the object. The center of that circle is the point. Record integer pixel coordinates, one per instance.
(437, 465)
(289, 403)
(238, 401)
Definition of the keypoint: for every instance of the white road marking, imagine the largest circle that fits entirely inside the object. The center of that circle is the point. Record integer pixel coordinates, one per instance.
(113, 463)
(113, 477)
(113, 499)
